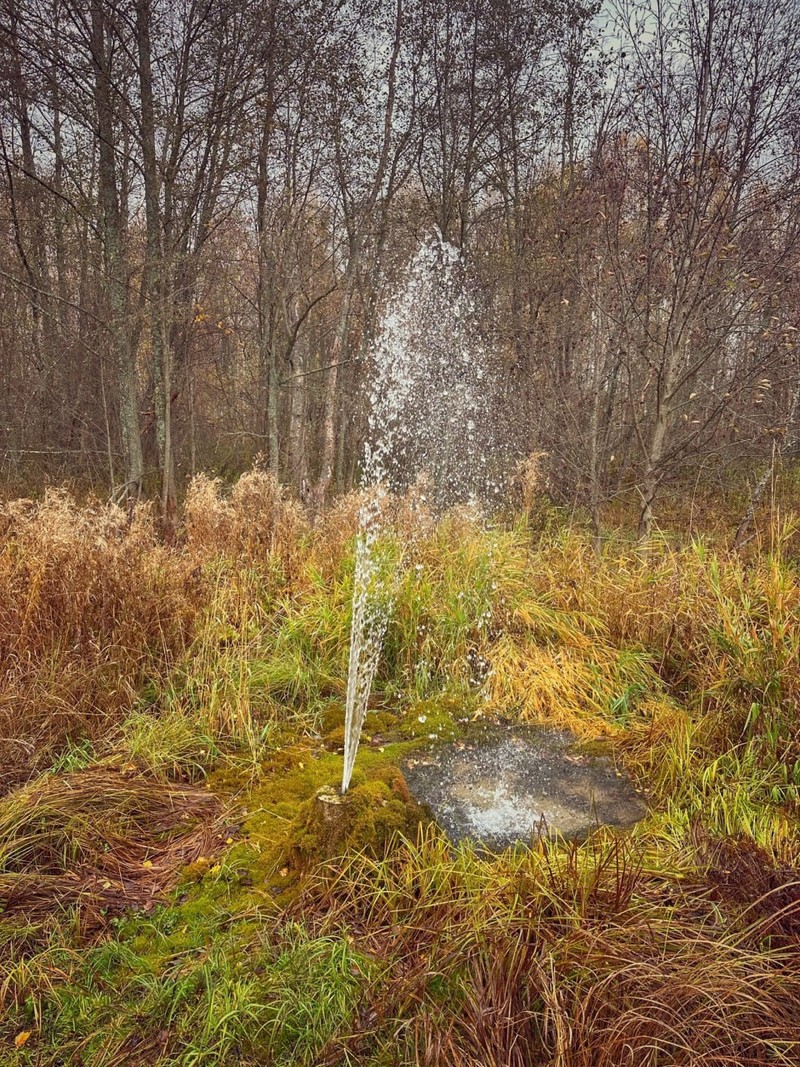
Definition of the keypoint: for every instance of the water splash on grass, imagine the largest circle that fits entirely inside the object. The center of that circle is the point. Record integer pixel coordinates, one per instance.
(432, 423)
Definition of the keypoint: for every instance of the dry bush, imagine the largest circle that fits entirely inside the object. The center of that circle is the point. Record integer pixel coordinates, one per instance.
(90, 607)
(408, 515)
(255, 522)
(528, 482)
(334, 530)
(412, 513)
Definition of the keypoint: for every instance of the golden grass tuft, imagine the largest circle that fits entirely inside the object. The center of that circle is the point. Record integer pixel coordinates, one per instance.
(91, 606)
(721, 630)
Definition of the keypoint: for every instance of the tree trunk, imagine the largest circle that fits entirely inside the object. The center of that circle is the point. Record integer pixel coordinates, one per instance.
(116, 275)
(673, 357)
(328, 447)
(297, 420)
(156, 274)
(789, 442)
(595, 464)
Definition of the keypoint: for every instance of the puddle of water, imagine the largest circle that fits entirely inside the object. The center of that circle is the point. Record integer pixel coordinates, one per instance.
(509, 784)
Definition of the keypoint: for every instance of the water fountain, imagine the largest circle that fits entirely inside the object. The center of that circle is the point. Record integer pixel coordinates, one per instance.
(430, 416)
(433, 417)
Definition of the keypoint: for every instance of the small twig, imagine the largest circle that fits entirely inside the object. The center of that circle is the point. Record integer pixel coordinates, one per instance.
(55, 451)
(245, 433)
(317, 370)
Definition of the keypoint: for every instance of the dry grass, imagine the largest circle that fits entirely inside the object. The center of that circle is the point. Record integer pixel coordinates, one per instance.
(721, 630)
(93, 607)
(675, 945)
(102, 839)
(255, 522)
(245, 619)
(572, 958)
(90, 608)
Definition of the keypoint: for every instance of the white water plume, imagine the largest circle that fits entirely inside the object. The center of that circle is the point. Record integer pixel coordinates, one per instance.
(431, 421)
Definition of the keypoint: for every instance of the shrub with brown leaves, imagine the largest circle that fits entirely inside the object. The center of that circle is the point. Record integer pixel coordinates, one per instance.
(254, 522)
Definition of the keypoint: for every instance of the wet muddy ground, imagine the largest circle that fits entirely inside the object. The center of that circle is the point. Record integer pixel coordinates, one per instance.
(502, 785)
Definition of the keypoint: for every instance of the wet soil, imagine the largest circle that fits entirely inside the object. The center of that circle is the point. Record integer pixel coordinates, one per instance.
(507, 784)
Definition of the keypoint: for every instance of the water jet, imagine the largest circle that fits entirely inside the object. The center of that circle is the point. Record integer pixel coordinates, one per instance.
(432, 418)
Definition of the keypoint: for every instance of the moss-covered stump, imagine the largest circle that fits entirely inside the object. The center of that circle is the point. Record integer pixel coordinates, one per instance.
(366, 819)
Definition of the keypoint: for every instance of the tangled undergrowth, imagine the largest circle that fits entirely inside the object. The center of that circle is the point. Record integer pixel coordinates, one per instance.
(101, 839)
(168, 714)
(581, 956)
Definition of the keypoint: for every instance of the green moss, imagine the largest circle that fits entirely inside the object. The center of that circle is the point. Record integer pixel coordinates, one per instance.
(277, 839)
(332, 718)
(443, 717)
(379, 725)
(602, 746)
(367, 819)
(282, 832)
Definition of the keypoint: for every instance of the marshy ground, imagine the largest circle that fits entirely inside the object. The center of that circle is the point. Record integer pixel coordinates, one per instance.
(169, 893)
(502, 784)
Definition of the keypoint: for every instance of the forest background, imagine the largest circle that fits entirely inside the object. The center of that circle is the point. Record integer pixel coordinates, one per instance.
(206, 204)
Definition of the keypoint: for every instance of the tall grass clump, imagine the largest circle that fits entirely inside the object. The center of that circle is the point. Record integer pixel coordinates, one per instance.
(721, 629)
(572, 957)
(470, 620)
(91, 608)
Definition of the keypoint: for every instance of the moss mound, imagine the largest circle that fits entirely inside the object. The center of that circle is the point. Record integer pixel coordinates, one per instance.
(366, 819)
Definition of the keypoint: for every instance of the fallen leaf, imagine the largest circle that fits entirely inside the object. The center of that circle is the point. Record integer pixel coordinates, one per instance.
(147, 863)
(228, 840)
(284, 872)
(21, 1038)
